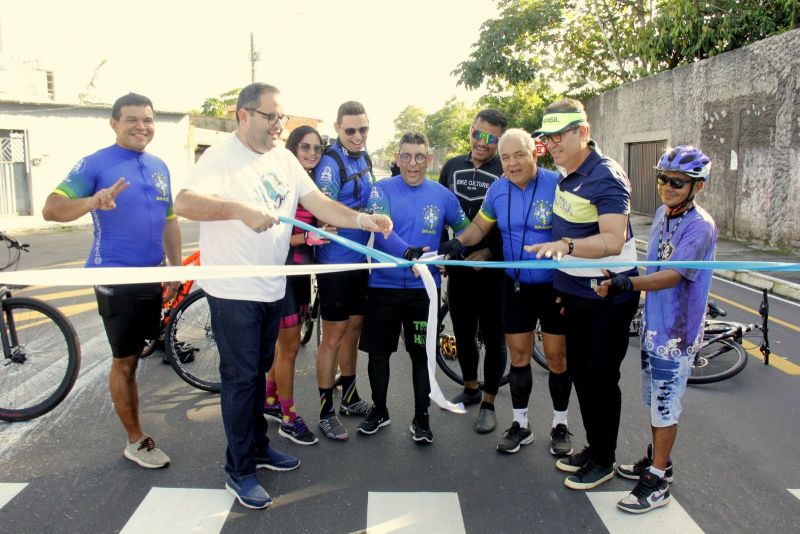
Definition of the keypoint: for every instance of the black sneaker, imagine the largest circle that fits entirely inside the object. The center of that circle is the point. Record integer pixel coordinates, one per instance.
(376, 418)
(298, 432)
(634, 471)
(421, 430)
(573, 462)
(513, 438)
(589, 476)
(650, 493)
(467, 398)
(560, 444)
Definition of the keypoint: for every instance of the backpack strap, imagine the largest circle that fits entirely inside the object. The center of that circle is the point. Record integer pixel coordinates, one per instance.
(344, 177)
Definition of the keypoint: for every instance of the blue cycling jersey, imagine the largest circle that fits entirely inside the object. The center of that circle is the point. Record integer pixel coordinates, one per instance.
(419, 213)
(130, 235)
(343, 189)
(525, 217)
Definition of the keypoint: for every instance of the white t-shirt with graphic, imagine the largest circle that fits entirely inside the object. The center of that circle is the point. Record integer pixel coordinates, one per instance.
(276, 179)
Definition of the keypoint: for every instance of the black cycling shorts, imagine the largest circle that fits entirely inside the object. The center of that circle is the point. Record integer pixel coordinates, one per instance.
(131, 314)
(295, 303)
(387, 310)
(342, 294)
(533, 302)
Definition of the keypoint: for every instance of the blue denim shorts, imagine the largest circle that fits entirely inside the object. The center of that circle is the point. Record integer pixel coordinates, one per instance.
(663, 385)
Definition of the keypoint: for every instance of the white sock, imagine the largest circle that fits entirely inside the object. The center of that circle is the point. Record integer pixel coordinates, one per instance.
(657, 472)
(521, 416)
(560, 418)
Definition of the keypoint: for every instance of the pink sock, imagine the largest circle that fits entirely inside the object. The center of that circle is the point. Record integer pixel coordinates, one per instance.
(272, 393)
(287, 407)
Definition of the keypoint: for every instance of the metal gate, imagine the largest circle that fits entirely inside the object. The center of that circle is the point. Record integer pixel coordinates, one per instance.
(15, 192)
(642, 157)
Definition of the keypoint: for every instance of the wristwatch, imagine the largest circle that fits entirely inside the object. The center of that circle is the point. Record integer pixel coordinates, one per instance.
(570, 243)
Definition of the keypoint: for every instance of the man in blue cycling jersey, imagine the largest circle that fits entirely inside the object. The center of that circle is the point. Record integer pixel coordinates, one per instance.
(520, 204)
(396, 297)
(127, 191)
(673, 318)
(344, 174)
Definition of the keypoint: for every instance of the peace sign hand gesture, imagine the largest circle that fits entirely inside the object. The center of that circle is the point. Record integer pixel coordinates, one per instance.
(105, 199)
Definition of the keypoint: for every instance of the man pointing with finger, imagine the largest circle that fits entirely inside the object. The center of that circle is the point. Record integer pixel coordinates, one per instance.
(127, 191)
(238, 189)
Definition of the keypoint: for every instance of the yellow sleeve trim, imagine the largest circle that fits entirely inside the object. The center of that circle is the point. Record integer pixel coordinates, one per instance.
(489, 219)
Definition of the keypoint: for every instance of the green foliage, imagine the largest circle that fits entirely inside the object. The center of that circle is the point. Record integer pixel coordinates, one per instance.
(448, 127)
(586, 46)
(523, 104)
(215, 106)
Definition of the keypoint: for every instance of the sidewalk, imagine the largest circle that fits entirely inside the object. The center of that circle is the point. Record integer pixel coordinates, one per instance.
(784, 284)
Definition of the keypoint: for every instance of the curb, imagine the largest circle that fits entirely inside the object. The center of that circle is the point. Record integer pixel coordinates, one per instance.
(775, 286)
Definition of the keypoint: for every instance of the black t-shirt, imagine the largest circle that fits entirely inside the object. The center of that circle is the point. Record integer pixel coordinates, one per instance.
(470, 185)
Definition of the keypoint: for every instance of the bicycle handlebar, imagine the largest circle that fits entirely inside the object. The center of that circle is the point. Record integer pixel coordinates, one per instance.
(13, 243)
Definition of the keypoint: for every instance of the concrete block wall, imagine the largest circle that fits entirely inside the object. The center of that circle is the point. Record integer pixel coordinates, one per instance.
(743, 109)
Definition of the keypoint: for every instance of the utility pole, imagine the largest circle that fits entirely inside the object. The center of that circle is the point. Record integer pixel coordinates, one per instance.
(254, 56)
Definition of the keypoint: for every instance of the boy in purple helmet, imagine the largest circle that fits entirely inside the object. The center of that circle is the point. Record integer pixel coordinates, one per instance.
(674, 311)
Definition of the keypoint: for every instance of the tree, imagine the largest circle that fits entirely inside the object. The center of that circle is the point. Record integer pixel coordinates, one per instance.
(523, 104)
(411, 119)
(586, 46)
(448, 127)
(216, 106)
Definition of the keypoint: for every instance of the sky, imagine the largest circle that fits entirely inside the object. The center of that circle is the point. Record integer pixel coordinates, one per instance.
(385, 54)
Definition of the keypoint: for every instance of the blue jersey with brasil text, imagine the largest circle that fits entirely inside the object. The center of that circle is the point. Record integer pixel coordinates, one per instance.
(419, 213)
(674, 317)
(523, 213)
(353, 193)
(130, 235)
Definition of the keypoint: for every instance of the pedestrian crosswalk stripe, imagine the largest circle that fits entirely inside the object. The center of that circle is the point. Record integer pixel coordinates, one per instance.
(179, 510)
(664, 520)
(9, 490)
(795, 492)
(411, 512)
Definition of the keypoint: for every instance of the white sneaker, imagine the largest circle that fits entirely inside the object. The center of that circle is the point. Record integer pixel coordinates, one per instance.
(145, 453)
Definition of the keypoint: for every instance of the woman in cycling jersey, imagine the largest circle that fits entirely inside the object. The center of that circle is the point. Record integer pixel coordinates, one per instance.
(306, 144)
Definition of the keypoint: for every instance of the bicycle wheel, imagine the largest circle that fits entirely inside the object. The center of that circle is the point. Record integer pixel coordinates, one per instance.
(538, 348)
(190, 343)
(43, 361)
(447, 357)
(718, 361)
(307, 326)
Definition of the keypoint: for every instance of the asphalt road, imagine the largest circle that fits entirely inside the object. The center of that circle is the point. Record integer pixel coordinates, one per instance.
(64, 472)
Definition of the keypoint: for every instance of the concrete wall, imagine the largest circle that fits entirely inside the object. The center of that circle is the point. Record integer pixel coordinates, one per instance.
(58, 136)
(743, 109)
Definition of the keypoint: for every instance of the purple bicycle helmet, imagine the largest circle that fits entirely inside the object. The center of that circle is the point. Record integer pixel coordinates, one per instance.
(686, 159)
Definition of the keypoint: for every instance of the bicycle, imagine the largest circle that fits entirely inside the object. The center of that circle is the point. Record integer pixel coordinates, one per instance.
(312, 318)
(446, 354)
(186, 336)
(41, 351)
(721, 355)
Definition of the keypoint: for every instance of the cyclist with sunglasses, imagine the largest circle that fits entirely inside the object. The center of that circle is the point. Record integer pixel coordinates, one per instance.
(343, 294)
(590, 220)
(475, 295)
(673, 317)
(306, 144)
(397, 297)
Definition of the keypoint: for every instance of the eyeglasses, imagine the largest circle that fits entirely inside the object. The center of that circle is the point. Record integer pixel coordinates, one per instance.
(556, 137)
(405, 157)
(489, 139)
(272, 118)
(675, 183)
(350, 132)
(305, 147)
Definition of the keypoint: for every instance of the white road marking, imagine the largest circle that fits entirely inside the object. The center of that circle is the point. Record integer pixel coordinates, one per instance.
(9, 490)
(412, 512)
(664, 520)
(179, 510)
(795, 492)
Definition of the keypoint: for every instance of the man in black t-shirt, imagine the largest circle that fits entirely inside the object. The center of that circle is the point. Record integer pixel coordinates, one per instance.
(475, 295)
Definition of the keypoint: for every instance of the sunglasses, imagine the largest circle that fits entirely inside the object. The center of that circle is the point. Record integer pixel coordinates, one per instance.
(405, 157)
(556, 137)
(272, 118)
(305, 147)
(675, 183)
(489, 139)
(350, 132)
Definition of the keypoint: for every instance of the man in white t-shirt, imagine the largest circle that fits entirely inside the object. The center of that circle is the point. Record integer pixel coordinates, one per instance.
(237, 190)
